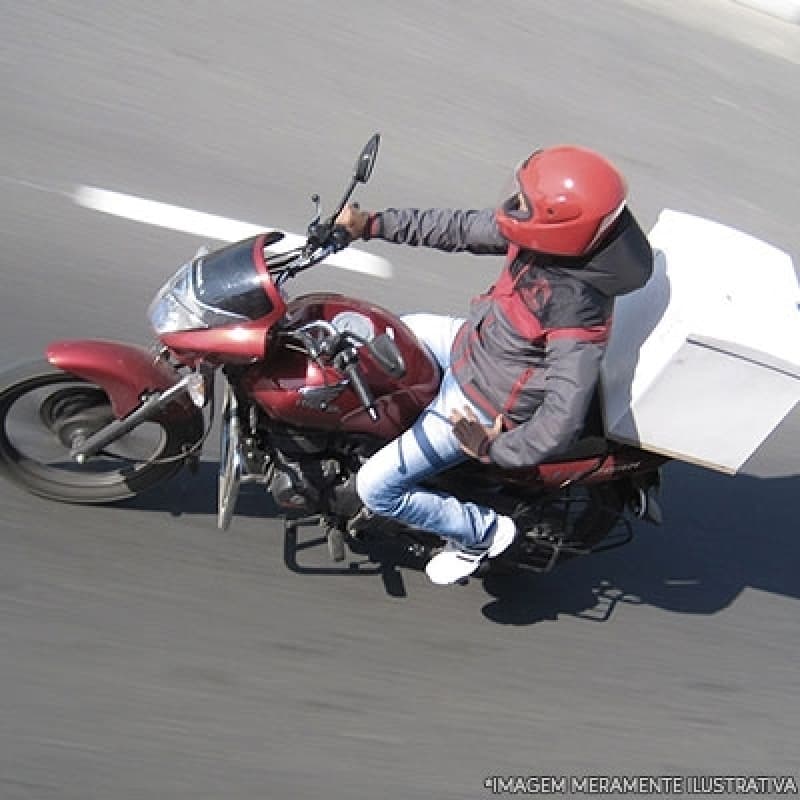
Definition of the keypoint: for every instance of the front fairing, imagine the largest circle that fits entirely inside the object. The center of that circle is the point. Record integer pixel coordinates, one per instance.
(231, 286)
(221, 306)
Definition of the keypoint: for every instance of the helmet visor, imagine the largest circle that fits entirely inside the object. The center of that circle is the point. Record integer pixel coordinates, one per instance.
(513, 201)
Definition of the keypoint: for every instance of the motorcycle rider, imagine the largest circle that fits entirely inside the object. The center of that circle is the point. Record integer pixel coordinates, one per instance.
(520, 371)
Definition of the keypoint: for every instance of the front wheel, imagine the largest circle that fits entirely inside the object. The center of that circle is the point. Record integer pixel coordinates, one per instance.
(44, 410)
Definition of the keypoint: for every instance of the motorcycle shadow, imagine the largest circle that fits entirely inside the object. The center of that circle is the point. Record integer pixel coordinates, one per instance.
(383, 557)
(721, 536)
(196, 494)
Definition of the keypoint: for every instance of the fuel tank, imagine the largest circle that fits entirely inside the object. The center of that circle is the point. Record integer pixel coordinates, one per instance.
(293, 389)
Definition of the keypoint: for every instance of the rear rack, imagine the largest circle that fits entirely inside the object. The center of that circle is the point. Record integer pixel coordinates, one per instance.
(541, 554)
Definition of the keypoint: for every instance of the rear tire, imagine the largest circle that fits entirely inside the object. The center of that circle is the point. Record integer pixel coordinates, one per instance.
(54, 407)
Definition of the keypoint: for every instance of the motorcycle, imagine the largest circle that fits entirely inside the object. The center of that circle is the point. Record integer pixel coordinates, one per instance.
(312, 386)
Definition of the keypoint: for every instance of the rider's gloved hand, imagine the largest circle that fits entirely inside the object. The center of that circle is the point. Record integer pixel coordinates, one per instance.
(355, 221)
(475, 439)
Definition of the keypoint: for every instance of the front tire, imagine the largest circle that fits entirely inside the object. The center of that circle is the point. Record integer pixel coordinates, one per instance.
(43, 410)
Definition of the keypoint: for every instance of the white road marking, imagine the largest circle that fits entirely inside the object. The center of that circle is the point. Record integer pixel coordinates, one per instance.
(734, 21)
(211, 226)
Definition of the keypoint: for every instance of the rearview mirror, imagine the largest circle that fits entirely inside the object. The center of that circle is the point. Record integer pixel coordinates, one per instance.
(366, 159)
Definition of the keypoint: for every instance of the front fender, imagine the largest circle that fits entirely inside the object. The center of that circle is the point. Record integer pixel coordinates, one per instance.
(124, 371)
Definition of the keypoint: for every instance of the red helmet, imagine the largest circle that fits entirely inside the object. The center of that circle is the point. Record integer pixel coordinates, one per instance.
(566, 198)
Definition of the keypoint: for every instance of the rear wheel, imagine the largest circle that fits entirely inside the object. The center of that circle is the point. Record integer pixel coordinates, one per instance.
(42, 413)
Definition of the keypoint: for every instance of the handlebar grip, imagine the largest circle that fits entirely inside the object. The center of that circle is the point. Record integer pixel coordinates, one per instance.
(340, 237)
(361, 389)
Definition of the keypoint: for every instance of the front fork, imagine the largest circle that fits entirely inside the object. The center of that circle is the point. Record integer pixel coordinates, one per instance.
(237, 453)
(231, 459)
(83, 448)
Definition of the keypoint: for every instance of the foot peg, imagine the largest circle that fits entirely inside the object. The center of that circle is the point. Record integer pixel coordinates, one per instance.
(360, 523)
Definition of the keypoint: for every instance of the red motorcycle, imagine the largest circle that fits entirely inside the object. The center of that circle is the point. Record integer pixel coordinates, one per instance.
(312, 387)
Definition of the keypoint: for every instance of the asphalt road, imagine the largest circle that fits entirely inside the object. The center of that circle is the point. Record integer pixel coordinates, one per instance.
(145, 654)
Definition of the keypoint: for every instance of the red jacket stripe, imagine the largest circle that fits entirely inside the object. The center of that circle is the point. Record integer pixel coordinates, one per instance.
(517, 388)
(597, 334)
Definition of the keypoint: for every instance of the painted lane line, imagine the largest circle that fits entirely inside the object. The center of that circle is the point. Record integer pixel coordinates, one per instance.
(211, 226)
(787, 10)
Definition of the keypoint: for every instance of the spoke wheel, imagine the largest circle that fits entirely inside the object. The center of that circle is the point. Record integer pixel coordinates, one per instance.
(44, 411)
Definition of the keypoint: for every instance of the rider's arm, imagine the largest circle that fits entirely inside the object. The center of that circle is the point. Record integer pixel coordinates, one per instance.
(574, 367)
(443, 229)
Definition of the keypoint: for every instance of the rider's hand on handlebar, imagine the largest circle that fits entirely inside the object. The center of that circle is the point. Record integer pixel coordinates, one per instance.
(339, 239)
(353, 220)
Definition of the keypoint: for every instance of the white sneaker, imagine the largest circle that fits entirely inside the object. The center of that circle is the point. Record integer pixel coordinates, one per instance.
(505, 532)
(453, 565)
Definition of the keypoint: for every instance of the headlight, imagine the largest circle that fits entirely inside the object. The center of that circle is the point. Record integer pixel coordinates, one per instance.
(171, 310)
(168, 315)
(178, 307)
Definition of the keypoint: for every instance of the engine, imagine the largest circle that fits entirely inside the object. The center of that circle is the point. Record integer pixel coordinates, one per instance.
(313, 472)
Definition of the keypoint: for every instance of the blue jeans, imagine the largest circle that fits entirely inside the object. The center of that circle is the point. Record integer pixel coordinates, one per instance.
(388, 482)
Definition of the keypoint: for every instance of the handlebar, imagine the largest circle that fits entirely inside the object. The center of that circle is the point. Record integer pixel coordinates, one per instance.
(323, 240)
(328, 239)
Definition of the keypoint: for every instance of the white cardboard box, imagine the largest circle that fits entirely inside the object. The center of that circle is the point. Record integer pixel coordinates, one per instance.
(704, 361)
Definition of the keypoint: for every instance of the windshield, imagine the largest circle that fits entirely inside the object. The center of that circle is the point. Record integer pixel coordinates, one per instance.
(214, 289)
(227, 280)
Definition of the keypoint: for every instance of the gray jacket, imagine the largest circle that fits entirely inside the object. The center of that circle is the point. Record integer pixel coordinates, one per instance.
(532, 346)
